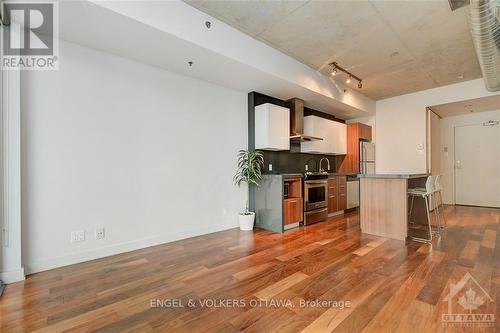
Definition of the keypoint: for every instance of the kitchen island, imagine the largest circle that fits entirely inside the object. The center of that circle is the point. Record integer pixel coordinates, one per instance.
(384, 203)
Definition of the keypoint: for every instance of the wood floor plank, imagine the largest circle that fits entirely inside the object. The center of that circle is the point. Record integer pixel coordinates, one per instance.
(388, 317)
(369, 247)
(469, 253)
(280, 286)
(489, 238)
(393, 286)
(332, 317)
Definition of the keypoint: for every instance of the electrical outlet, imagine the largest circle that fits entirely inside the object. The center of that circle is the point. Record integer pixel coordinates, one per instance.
(99, 233)
(270, 167)
(77, 236)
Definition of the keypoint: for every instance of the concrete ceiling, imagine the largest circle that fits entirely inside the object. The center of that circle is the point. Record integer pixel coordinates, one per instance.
(490, 103)
(396, 47)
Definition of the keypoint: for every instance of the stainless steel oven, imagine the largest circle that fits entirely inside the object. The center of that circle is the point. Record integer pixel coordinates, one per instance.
(315, 198)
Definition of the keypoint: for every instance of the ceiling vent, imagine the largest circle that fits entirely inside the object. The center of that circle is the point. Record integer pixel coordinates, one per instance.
(456, 4)
(485, 30)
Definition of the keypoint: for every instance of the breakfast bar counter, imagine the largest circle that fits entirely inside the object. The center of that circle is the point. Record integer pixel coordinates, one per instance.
(384, 203)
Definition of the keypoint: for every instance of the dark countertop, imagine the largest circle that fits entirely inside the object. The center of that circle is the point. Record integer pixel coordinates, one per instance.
(394, 176)
(292, 174)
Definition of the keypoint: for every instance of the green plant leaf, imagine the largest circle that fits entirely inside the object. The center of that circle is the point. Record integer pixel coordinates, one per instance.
(250, 165)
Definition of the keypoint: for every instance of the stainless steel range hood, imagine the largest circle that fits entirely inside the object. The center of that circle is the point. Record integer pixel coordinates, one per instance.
(297, 122)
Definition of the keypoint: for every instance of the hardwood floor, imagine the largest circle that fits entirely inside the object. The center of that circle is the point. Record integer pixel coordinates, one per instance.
(391, 286)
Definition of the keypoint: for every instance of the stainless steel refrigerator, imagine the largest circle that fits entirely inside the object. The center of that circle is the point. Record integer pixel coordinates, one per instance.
(366, 157)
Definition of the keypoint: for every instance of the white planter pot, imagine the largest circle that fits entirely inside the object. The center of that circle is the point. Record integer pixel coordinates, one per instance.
(246, 221)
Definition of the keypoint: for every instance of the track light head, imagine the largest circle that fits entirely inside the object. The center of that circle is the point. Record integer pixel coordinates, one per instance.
(337, 69)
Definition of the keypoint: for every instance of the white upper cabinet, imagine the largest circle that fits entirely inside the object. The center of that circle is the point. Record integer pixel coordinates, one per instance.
(272, 127)
(334, 136)
(338, 137)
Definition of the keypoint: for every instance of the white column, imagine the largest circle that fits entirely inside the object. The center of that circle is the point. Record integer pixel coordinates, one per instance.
(11, 268)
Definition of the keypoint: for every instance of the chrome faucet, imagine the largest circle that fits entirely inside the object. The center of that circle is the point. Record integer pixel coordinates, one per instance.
(321, 161)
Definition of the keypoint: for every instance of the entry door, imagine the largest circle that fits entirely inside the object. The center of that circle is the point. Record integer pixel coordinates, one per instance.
(477, 165)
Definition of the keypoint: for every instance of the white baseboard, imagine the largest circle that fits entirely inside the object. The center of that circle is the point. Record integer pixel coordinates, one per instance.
(75, 258)
(12, 276)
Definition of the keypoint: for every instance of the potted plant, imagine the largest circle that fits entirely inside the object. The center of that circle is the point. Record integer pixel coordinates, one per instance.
(249, 171)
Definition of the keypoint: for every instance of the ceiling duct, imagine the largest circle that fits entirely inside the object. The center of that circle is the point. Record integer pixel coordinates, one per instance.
(485, 30)
(456, 4)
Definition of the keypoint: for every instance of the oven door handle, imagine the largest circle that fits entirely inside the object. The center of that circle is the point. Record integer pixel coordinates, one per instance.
(308, 182)
(316, 211)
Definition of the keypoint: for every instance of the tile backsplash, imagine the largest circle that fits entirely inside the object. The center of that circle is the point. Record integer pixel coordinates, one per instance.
(290, 162)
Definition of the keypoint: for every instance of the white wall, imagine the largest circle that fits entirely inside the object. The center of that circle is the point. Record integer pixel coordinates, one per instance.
(109, 142)
(448, 140)
(401, 125)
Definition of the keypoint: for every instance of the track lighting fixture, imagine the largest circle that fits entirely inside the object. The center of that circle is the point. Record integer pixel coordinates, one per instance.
(336, 68)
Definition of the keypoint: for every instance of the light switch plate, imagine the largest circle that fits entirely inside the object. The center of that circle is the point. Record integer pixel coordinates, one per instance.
(77, 236)
(270, 167)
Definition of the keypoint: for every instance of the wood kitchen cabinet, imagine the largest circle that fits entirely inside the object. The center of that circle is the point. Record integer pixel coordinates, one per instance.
(337, 193)
(364, 131)
(332, 195)
(356, 132)
(292, 202)
(342, 192)
(292, 211)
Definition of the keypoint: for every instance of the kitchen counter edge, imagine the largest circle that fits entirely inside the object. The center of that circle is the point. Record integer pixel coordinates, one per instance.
(394, 176)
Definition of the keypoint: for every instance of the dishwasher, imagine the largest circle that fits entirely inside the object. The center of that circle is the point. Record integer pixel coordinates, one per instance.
(352, 192)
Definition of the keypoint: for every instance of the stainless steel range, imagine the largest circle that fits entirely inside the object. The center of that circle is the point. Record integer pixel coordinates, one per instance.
(315, 197)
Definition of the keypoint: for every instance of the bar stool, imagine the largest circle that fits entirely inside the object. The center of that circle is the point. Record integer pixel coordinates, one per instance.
(438, 204)
(427, 194)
